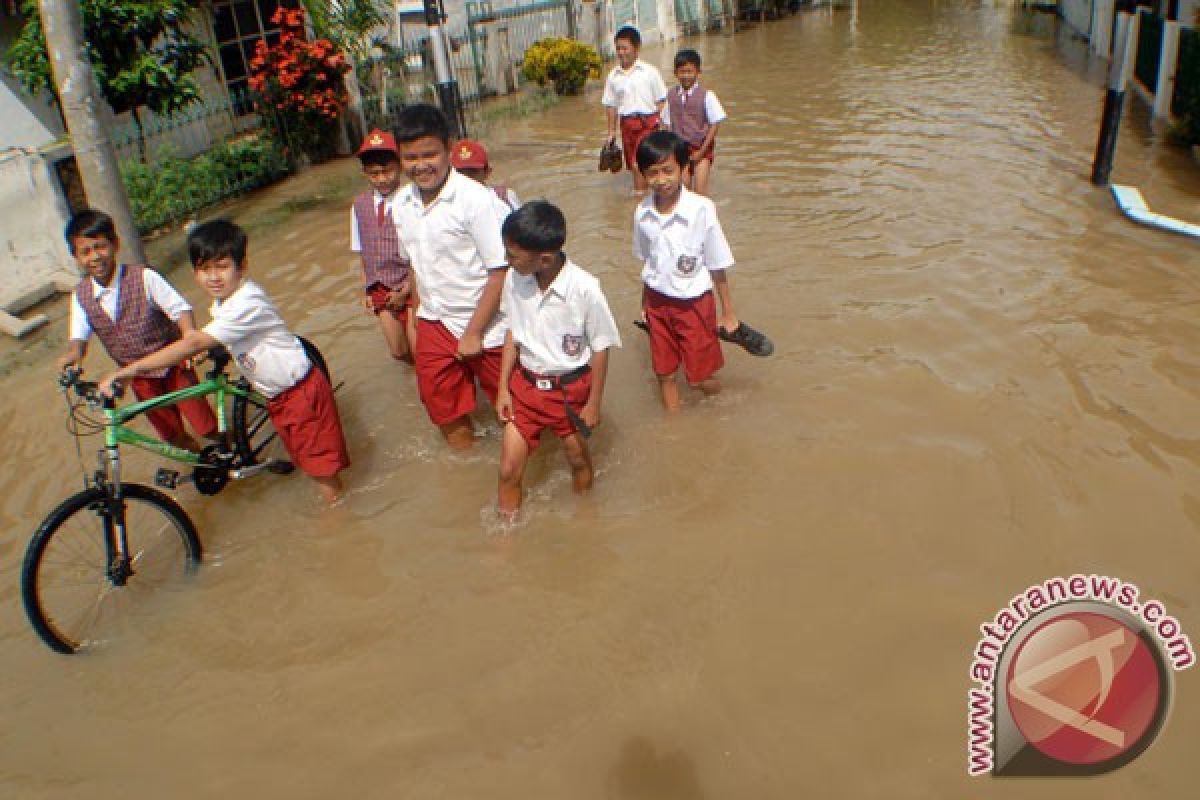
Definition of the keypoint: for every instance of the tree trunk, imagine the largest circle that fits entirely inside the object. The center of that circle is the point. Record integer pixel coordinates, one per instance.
(94, 152)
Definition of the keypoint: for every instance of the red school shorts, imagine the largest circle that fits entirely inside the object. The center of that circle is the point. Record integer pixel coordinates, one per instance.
(306, 419)
(633, 130)
(683, 330)
(379, 295)
(536, 409)
(447, 385)
(168, 420)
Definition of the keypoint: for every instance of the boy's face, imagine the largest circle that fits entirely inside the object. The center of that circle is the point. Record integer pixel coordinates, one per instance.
(626, 53)
(384, 178)
(527, 262)
(426, 161)
(220, 277)
(477, 173)
(687, 75)
(665, 179)
(96, 255)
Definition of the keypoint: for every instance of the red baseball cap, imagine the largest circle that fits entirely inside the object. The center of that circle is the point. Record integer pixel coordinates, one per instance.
(468, 154)
(380, 141)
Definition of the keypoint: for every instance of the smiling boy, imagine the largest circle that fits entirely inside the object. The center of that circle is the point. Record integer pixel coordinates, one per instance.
(450, 227)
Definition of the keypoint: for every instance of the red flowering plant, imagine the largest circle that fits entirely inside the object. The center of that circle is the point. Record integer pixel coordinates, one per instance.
(299, 86)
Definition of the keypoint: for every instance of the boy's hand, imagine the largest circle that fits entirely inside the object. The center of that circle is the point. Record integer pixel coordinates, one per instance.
(395, 300)
(504, 408)
(66, 361)
(367, 304)
(106, 385)
(469, 346)
(729, 322)
(590, 414)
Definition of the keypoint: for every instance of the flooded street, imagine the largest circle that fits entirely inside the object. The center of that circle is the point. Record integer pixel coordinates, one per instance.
(984, 377)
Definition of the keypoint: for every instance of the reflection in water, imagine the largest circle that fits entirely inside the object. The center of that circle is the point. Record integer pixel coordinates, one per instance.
(984, 376)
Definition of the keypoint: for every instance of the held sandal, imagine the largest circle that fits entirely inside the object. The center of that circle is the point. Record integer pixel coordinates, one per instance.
(753, 342)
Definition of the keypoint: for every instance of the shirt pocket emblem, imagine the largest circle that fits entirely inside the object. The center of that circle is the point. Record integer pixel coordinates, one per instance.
(686, 265)
(572, 345)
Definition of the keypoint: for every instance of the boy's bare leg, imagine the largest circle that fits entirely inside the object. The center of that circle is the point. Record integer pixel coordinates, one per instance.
(580, 460)
(329, 486)
(460, 434)
(514, 455)
(396, 336)
(670, 392)
(699, 181)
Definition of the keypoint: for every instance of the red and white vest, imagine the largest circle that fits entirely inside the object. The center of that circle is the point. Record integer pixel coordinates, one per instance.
(502, 192)
(687, 118)
(383, 260)
(139, 328)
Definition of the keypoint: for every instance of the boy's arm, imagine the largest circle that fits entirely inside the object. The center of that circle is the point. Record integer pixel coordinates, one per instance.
(727, 320)
(611, 113)
(76, 350)
(471, 343)
(186, 322)
(508, 360)
(484, 227)
(192, 343)
(590, 413)
(78, 334)
(707, 143)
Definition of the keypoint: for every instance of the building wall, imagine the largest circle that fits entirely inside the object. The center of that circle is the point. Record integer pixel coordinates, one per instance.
(28, 122)
(33, 215)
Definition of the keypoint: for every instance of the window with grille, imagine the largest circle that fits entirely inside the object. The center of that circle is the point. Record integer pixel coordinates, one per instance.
(237, 26)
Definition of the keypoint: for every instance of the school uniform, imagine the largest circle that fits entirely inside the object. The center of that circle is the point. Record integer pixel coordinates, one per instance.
(678, 250)
(556, 332)
(508, 199)
(691, 113)
(385, 264)
(133, 317)
(635, 94)
(299, 398)
(454, 243)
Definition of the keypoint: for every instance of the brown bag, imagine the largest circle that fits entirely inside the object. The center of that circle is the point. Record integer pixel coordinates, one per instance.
(611, 158)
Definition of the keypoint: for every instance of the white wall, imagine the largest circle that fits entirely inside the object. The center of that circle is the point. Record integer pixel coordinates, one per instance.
(32, 217)
(1077, 14)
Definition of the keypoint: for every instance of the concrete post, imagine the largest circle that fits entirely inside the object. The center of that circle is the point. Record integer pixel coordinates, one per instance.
(1168, 61)
(1119, 72)
(1102, 25)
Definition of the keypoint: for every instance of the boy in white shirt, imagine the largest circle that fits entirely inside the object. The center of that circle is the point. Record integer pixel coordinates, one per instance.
(555, 351)
(634, 97)
(694, 113)
(133, 311)
(300, 399)
(450, 227)
(684, 256)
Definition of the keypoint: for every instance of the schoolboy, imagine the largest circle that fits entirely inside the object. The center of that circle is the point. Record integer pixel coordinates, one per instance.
(373, 234)
(300, 401)
(471, 159)
(694, 113)
(685, 256)
(634, 98)
(555, 352)
(133, 311)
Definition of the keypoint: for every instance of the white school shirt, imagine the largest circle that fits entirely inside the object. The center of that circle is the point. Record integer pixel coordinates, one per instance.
(558, 330)
(680, 248)
(249, 326)
(390, 200)
(637, 90)
(159, 294)
(714, 112)
(453, 243)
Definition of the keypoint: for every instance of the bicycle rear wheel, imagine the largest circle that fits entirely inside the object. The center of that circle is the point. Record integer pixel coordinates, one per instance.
(70, 586)
(254, 437)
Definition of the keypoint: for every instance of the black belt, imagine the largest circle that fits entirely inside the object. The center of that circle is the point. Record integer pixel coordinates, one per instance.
(548, 382)
(640, 116)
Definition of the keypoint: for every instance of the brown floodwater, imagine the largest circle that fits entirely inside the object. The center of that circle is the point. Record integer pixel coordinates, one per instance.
(984, 377)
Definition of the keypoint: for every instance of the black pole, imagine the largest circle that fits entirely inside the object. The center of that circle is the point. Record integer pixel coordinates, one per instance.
(447, 88)
(1114, 99)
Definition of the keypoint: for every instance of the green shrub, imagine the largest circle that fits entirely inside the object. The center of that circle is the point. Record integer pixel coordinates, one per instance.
(565, 63)
(171, 188)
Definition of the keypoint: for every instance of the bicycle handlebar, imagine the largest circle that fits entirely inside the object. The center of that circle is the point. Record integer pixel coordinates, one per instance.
(88, 390)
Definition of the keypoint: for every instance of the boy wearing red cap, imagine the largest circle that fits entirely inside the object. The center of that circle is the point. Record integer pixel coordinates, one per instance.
(471, 159)
(373, 234)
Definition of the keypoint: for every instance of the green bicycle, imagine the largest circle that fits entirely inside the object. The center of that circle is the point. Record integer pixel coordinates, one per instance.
(112, 546)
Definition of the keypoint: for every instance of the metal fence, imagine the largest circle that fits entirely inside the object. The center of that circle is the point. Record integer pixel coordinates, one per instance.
(1149, 48)
(195, 129)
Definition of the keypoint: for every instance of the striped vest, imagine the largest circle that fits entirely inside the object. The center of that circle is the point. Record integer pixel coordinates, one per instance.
(502, 192)
(138, 330)
(687, 119)
(383, 260)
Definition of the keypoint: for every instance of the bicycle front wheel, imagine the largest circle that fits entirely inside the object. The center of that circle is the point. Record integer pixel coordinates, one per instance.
(76, 593)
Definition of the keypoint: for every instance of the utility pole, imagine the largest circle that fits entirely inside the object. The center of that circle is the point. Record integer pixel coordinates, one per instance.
(1118, 76)
(62, 24)
(448, 97)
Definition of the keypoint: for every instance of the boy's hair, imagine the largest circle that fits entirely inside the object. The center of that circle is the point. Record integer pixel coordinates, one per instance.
(92, 224)
(422, 120)
(629, 32)
(537, 226)
(216, 239)
(687, 56)
(377, 158)
(659, 146)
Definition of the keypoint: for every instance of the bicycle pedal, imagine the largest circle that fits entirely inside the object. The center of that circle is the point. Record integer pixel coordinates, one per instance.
(281, 467)
(166, 478)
